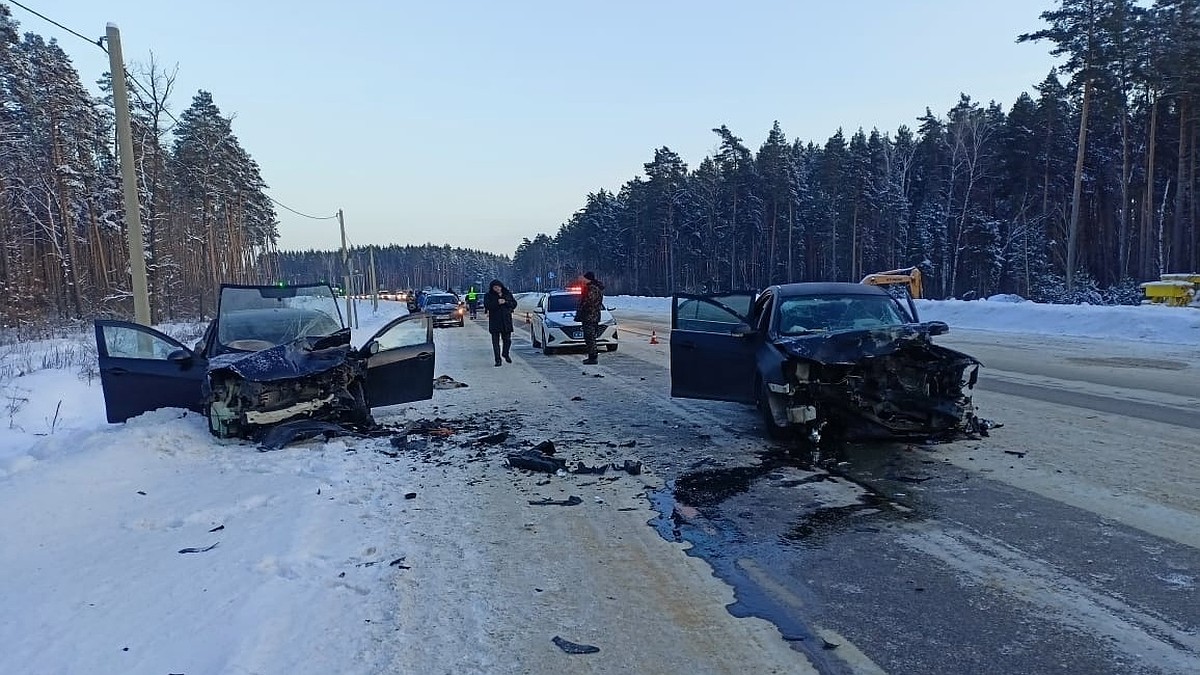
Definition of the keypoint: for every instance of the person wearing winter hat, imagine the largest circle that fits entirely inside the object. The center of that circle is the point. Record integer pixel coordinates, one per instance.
(499, 304)
(591, 301)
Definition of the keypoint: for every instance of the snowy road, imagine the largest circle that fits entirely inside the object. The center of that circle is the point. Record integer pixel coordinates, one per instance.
(1066, 542)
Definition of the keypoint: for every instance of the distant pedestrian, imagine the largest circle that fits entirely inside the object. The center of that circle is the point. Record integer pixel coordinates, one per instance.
(499, 304)
(591, 301)
(473, 303)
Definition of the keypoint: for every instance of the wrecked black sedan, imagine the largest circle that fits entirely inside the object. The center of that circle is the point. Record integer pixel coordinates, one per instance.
(838, 359)
(274, 355)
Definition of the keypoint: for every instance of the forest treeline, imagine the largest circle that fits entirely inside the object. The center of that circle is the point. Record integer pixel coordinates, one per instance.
(63, 250)
(396, 267)
(1094, 172)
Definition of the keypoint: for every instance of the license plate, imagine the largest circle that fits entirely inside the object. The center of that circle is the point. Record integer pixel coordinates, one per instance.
(577, 335)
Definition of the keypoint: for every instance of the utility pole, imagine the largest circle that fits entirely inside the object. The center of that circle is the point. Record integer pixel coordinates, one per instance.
(374, 284)
(133, 214)
(350, 318)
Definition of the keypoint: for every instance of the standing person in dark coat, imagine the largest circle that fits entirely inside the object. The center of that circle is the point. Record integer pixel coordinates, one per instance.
(591, 301)
(499, 304)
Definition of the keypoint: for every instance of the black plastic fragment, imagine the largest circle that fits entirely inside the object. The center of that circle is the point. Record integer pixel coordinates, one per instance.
(217, 529)
(569, 501)
(582, 468)
(199, 550)
(631, 466)
(493, 439)
(410, 495)
(532, 460)
(545, 447)
(574, 647)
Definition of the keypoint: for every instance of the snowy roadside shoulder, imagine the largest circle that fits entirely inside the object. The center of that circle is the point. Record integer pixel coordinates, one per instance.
(1010, 314)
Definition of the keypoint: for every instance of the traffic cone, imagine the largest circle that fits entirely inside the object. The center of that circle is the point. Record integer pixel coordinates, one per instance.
(653, 338)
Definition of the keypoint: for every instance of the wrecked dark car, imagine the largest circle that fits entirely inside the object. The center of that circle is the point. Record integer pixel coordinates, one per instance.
(823, 359)
(274, 355)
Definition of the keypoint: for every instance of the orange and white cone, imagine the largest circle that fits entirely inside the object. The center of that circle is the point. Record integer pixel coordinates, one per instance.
(653, 338)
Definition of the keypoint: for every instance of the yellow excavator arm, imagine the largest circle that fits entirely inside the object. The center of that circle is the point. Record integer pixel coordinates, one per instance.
(909, 276)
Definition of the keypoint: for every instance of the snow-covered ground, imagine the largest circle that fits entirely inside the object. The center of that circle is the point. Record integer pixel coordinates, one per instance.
(150, 547)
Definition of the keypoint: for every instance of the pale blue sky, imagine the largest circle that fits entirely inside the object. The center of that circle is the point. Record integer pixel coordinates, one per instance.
(479, 123)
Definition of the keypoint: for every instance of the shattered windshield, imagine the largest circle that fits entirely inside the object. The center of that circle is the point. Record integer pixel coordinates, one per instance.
(260, 317)
(801, 315)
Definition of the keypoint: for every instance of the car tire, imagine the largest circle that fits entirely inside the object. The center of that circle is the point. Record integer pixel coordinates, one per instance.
(611, 348)
(533, 339)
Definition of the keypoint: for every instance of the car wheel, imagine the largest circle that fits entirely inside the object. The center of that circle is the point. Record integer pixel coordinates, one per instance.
(533, 339)
(774, 430)
(611, 348)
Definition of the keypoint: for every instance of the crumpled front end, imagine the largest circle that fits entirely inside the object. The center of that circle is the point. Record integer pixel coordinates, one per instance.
(882, 383)
(248, 394)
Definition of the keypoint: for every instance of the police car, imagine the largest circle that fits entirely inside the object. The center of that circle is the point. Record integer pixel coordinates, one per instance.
(552, 325)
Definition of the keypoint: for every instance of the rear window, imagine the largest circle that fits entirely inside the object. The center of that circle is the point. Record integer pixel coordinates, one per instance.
(562, 303)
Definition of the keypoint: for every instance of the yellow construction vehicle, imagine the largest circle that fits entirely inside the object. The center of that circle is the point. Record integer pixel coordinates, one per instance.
(1173, 290)
(909, 276)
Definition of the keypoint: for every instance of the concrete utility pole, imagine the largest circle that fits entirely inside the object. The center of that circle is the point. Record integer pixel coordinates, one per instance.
(374, 284)
(133, 213)
(350, 318)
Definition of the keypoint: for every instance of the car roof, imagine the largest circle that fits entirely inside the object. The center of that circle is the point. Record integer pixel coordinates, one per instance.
(826, 288)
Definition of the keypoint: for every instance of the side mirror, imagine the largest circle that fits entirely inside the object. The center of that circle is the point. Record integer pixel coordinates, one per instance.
(198, 348)
(180, 356)
(938, 327)
(742, 330)
(371, 347)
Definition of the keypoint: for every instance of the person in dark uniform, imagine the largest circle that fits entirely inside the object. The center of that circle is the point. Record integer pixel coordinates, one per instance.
(591, 301)
(499, 304)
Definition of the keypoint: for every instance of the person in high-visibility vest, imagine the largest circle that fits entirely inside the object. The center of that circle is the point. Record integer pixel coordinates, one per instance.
(473, 302)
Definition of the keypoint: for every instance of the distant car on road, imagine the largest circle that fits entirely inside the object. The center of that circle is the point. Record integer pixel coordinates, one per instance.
(553, 326)
(446, 309)
(273, 355)
(842, 359)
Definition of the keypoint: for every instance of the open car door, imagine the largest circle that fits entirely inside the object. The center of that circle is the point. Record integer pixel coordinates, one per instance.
(141, 369)
(400, 362)
(712, 347)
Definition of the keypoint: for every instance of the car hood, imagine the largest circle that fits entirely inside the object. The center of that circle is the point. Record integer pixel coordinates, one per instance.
(849, 347)
(299, 358)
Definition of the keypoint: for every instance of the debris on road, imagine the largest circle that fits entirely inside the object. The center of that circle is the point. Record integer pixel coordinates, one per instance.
(199, 550)
(569, 501)
(447, 382)
(533, 460)
(574, 647)
(492, 439)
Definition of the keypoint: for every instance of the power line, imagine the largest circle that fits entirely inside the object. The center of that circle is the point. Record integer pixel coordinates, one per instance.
(99, 42)
(279, 203)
